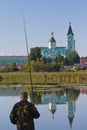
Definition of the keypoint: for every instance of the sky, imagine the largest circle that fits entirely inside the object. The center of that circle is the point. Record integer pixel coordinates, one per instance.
(41, 17)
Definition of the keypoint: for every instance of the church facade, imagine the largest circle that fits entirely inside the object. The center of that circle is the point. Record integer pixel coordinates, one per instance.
(52, 50)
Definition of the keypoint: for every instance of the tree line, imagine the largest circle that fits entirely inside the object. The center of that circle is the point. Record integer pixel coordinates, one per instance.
(44, 64)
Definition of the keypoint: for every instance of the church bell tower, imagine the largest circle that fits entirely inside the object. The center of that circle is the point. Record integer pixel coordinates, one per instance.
(52, 42)
(70, 39)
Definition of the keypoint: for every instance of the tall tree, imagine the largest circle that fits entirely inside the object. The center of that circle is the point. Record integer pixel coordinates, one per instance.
(35, 53)
(73, 57)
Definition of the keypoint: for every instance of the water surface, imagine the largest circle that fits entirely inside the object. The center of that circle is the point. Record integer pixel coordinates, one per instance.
(60, 109)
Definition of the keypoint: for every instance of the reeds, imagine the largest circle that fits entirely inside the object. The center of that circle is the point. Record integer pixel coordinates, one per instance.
(46, 78)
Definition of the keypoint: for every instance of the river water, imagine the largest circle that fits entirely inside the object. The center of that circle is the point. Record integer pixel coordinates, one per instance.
(60, 109)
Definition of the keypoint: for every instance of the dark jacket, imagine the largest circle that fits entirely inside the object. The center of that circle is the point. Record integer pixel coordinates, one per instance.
(23, 114)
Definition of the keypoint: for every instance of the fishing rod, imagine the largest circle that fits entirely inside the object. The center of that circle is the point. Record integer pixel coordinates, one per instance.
(29, 65)
(27, 51)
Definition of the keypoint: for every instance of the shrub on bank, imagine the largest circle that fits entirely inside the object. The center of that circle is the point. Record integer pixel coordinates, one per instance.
(41, 67)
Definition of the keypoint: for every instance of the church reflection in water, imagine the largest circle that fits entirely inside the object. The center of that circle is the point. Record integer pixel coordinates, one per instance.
(67, 97)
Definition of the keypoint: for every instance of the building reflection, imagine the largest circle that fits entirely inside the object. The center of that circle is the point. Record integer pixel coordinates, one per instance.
(68, 97)
(71, 107)
(52, 103)
(52, 108)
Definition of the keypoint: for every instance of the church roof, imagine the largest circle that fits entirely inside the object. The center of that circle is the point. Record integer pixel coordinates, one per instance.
(52, 38)
(70, 30)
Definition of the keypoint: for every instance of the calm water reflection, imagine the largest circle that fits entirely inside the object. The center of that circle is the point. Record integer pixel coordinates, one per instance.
(60, 109)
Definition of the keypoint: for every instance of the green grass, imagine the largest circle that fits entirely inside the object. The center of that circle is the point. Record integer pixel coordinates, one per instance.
(43, 78)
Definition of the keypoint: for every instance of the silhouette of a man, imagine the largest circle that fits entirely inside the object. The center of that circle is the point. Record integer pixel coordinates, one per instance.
(23, 113)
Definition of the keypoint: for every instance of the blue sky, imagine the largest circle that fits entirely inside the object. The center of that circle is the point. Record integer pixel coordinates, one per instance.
(42, 17)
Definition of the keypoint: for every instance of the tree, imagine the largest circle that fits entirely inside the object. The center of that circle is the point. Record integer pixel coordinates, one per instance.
(59, 59)
(73, 94)
(66, 61)
(35, 53)
(73, 57)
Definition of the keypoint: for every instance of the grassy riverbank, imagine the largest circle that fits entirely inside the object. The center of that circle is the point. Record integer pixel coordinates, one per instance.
(56, 78)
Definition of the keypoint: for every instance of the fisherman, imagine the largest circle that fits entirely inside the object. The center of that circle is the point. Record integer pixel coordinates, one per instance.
(23, 113)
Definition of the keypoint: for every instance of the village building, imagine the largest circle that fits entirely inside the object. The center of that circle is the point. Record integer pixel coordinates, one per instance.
(83, 61)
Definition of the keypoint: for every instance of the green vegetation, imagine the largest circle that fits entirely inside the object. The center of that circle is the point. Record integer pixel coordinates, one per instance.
(44, 71)
(44, 78)
(42, 64)
(73, 57)
(10, 68)
(35, 53)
